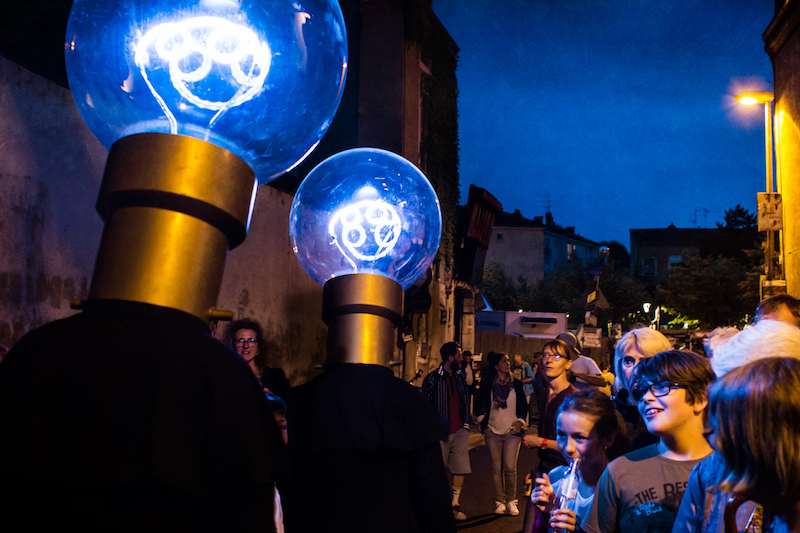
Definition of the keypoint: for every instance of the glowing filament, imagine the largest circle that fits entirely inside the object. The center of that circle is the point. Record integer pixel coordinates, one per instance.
(201, 53)
(368, 230)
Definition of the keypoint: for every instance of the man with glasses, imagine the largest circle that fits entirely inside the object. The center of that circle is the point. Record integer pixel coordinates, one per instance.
(641, 491)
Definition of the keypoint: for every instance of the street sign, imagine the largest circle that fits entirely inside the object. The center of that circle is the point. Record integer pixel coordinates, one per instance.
(769, 211)
(591, 338)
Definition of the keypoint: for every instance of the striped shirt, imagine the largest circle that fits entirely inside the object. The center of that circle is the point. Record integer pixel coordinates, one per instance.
(434, 388)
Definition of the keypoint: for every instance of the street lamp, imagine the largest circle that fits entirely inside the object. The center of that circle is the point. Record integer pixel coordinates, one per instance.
(365, 224)
(766, 98)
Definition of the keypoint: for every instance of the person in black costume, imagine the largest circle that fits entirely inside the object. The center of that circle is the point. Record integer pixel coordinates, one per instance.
(365, 451)
(131, 417)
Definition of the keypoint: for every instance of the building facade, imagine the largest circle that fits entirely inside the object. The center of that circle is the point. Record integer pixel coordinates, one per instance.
(654, 251)
(782, 39)
(532, 248)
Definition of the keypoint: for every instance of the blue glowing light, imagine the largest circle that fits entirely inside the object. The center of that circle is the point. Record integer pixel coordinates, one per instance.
(366, 211)
(262, 79)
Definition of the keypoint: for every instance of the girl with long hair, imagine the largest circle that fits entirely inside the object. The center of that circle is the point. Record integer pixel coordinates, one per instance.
(589, 428)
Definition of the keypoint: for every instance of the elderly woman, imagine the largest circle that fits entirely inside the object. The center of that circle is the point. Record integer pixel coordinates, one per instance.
(247, 338)
(635, 345)
(754, 413)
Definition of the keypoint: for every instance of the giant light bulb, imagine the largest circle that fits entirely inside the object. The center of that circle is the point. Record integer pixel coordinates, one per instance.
(365, 224)
(261, 79)
(366, 211)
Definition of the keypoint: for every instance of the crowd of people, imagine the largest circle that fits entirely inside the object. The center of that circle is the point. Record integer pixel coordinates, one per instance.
(670, 441)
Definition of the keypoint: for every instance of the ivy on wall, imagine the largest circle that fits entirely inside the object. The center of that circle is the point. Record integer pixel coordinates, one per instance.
(439, 133)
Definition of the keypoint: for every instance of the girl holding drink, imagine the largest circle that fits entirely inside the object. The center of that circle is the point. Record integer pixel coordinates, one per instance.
(591, 432)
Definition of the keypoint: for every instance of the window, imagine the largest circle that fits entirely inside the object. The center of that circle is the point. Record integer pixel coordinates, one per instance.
(649, 266)
(499, 236)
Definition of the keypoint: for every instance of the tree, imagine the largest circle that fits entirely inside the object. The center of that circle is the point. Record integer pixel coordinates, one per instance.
(739, 218)
(618, 255)
(625, 295)
(498, 289)
(558, 292)
(717, 291)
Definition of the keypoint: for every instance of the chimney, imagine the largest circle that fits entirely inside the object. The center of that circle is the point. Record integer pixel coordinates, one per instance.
(538, 221)
(549, 218)
(571, 230)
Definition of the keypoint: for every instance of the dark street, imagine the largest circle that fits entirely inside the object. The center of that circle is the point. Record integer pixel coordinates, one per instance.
(477, 499)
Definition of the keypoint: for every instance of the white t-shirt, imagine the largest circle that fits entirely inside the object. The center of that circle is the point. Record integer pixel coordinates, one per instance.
(501, 420)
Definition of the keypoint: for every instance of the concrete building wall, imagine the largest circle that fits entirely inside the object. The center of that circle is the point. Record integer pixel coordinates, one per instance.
(783, 45)
(519, 251)
(264, 281)
(50, 171)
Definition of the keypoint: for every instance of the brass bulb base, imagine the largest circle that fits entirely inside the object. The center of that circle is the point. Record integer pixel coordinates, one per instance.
(173, 205)
(362, 312)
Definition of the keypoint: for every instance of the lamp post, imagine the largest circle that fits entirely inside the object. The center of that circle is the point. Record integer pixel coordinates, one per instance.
(766, 98)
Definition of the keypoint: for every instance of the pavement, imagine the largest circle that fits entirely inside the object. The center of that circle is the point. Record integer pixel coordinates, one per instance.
(477, 498)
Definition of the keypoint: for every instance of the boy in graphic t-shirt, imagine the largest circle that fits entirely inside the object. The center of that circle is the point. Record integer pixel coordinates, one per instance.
(640, 492)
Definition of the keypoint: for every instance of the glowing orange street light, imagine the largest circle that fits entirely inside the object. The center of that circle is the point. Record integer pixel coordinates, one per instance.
(766, 98)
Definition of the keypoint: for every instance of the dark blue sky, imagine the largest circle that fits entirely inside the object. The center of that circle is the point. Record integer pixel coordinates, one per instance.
(618, 111)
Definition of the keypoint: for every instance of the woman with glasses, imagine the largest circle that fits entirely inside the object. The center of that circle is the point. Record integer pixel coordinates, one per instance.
(502, 405)
(246, 337)
(640, 492)
(557, 357)
(635, 346)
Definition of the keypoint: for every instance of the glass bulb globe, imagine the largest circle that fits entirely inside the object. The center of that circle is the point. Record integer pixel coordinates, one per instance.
(365, 211)
(261, 79)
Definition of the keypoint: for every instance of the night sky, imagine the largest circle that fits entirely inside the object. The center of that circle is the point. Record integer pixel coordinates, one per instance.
(618, 112)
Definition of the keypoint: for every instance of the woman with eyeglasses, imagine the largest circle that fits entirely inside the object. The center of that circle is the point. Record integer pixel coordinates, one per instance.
(246, 337)
(640, 492)
(635, 346)
(557, 357)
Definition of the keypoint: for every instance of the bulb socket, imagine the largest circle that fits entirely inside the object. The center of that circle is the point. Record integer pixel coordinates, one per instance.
(362, 312)
(172, 207)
